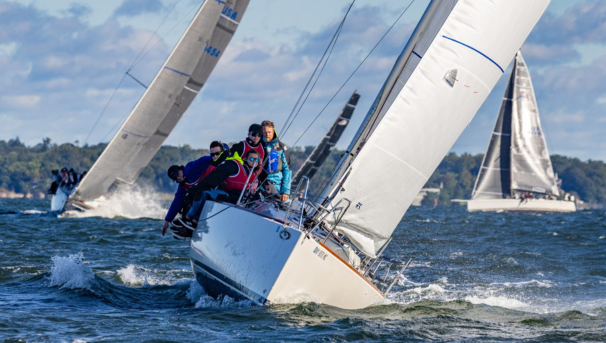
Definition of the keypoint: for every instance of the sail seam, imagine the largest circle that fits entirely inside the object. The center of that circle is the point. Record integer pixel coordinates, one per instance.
(401, 160)
(476, 50)
(229, 19)
(136, 135)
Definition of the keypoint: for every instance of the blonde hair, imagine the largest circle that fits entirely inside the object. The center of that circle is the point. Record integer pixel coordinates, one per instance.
(267, 123)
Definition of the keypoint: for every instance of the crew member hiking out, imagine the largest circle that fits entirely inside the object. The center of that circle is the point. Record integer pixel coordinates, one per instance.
(278, 160)
(230, 177)
(188, 176)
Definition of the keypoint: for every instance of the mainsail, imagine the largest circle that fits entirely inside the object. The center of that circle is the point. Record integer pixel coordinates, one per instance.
(322, 151)
(456, 55)
(517, 158)
(171, 92)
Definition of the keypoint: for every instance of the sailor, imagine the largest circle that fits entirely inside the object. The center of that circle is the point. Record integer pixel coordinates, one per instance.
(56, 180)
(188, 176)
(82, 175)
(278, 160)
(64, 177)
(74, 178)
(251, 142)
(225, 183)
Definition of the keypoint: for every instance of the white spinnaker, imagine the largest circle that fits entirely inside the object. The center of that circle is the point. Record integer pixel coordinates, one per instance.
(440, 94)
(167, 98)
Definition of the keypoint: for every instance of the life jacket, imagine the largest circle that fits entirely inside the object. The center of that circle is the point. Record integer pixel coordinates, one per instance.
(275, 163)
(237, 181)
(258, 149)
(188, 185)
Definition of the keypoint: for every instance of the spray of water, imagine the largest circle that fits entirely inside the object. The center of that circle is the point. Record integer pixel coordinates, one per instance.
(70, 273)
(129, 202)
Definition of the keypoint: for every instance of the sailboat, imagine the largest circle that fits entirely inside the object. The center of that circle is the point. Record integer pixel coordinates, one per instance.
(331, 251)
(162, 105)
(322, 151)
(516, 173)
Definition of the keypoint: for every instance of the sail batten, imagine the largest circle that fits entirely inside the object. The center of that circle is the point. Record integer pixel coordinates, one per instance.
(427, 108)
(165, 101)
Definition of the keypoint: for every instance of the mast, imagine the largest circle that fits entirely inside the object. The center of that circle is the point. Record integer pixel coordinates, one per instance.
(373, 116)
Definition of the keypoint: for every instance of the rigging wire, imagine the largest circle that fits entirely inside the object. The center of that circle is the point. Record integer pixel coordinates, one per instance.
(291, 118)
(354, 72)
(135, 61)
(121, 121)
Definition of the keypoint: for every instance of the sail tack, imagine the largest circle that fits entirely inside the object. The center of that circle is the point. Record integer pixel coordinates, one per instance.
(169, 95)
(452, 68)
(322, 151)
(517, 158)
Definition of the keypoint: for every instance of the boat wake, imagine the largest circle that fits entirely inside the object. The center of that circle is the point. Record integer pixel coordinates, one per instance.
(131, 203)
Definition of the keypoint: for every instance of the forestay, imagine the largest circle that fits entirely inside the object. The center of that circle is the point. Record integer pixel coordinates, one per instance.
(322, 151)
(448, 74)
(167, 98)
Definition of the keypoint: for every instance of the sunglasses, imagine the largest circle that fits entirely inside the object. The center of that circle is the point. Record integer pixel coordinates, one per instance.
(215, 153)
(255, 134)
(252, 159)
(174, 176)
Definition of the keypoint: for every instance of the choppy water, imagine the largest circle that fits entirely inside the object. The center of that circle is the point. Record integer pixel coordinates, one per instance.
(491, 277)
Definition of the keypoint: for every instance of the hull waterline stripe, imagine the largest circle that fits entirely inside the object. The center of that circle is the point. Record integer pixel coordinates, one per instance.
(476, 50)
(178, 72)
(259, 299)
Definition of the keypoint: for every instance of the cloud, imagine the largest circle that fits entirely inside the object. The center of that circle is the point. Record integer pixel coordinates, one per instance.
(133, 8)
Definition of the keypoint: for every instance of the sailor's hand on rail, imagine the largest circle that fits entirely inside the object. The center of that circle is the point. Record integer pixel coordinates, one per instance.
(284, 197)
(164, 228)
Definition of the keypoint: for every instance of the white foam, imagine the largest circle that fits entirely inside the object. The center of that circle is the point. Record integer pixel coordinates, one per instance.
(602, 237)
(138, 276)
(497, 301)
(70, 272)
(544, 283)
(198, 296)
(33, 212)
(133, 202)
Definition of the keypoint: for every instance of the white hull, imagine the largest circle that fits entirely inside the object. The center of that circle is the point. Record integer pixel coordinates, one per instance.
(243, 254)
(520, 205)
(58, 201)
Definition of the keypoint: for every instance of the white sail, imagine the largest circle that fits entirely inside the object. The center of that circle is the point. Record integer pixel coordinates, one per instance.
(531, 168)
(166, 100)
(456, 62)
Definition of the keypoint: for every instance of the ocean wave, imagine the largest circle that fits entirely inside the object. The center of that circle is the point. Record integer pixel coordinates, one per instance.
(201, 300)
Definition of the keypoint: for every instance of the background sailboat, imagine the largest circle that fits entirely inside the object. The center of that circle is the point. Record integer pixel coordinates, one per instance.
(451, 63)
(517, 161)
(163, 104)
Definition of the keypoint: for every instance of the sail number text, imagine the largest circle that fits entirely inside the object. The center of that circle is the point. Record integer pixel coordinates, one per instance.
(230, 13)
(212, 51)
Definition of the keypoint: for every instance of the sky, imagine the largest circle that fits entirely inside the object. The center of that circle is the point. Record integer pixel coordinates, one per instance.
(63, 59)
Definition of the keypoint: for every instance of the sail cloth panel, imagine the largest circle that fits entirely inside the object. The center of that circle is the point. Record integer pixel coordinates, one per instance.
(167, 98)
(494, 178)
(475, 43)
(531, 165)
(322, 151)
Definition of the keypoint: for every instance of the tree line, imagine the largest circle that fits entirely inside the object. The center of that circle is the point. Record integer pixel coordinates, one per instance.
(28, 169)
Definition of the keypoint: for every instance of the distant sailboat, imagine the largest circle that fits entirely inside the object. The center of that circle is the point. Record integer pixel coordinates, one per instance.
(329, 252)
(322, 151)
(163, 104)
(517, 161)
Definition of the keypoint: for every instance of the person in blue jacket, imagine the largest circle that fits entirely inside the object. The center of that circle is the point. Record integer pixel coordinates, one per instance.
(188, 176)
(277, 165)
